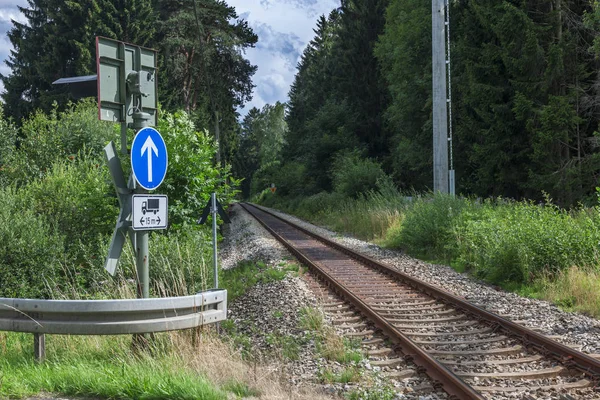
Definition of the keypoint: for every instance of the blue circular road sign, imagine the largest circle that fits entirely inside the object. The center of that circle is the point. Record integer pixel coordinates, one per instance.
(149, 158)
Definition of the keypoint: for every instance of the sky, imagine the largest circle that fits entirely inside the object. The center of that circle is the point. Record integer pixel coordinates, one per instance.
(284, 28)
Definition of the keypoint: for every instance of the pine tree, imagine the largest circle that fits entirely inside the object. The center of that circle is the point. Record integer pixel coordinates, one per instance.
(404, 55)
(203, 69)
(59, 41)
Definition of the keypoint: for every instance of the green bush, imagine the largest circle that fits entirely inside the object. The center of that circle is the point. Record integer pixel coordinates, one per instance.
(57, 136)
(31, 251)
(428, 227)
(192, 175)
(8, 141)
(518, 242)
(77, 199)
(322, 203)
(352, 175)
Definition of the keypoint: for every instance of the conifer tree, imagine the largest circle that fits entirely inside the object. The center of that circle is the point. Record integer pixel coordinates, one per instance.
(58, 41)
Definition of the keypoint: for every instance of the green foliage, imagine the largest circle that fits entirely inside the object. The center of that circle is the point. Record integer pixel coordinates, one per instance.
(62, 201)
(31, 251)
(259, 157)
(241, 278)
(404, 54)
(286, 345)
(97, 367)
(8, 141)
(311, 319)
(75, 197)
(241, 389)
(346, 375)
(428, 226)
(57, 137)
(202, 47)
(518, 242)
(330, 115)
(192, 176)
(378, 393)
(58, 41)
(180, 262)
(353, 175)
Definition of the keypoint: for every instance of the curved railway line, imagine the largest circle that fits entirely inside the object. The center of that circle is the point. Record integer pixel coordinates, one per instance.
(468, 352)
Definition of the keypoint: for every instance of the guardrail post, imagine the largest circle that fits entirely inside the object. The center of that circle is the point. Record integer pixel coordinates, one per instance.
(39, 347)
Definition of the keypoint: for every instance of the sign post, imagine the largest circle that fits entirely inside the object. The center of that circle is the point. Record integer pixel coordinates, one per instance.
(214, 211)
(214, 207)
(127, 93)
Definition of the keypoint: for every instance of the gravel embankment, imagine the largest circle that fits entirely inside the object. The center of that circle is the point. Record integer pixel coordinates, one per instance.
(270, 312)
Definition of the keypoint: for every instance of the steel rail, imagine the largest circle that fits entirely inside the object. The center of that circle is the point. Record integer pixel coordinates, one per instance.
(530, 338)
(450, 383)
(112, 317)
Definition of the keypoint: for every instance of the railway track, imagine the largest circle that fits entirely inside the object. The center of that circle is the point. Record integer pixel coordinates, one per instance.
(467, 351)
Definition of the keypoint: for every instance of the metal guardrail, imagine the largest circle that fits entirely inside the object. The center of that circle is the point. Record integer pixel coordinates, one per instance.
(112, 317)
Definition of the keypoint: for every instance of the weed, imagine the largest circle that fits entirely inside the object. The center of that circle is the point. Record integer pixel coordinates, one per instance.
(575, 289)
(286, 346)
(346, 375)
(311, 319)
(379, 393)
(238, 280)
(334, 347)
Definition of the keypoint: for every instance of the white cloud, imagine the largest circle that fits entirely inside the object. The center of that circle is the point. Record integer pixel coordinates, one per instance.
(8, 12)
(284, 27)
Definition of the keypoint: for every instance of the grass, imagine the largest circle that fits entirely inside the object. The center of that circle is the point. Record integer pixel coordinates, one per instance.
(102, 366)
(346, 375)
(574, 289)
(238, 280)
(329, 344)
(182, 365)
(311, 319)
(285, 346)
(385, 392)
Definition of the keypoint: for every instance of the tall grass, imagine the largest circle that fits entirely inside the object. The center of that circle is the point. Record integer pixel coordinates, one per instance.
(575, 289)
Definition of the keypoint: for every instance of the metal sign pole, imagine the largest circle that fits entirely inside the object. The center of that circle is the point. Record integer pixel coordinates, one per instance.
(142, 262)
(214, 210)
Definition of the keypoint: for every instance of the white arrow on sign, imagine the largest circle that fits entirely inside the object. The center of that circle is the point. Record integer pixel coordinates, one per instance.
(149, 147)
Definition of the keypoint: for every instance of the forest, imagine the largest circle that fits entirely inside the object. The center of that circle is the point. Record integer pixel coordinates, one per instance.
(525, 86)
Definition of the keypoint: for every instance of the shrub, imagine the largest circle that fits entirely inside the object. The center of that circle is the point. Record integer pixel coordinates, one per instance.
(351, 174)
(517, 242)
(320, 204)
(77, 199)
(31, 250)
(428, 227)
(58, 136)
(192, 175)
(8, 141)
